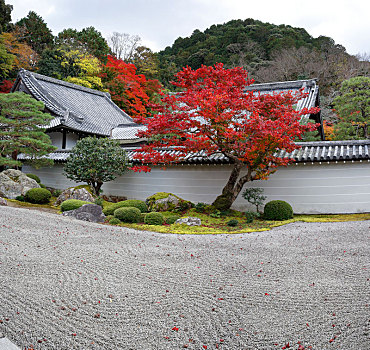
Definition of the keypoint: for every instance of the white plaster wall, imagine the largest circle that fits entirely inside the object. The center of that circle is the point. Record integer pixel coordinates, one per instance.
(311, 188)
(56, 139)
(71, 140)
(52, 177)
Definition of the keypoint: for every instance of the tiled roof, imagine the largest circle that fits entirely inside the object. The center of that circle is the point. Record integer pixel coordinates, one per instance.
(126, 132)
(74, 106)
(309, 86)
(317, 151)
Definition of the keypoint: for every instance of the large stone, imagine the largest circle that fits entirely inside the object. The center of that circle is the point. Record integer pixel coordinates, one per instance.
(190, 221)
(88, 212)
(3, 201)
(14, 183)
(75, 193)
(113, 199)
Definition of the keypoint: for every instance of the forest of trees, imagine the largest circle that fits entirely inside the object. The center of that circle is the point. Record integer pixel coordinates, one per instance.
(134, 75)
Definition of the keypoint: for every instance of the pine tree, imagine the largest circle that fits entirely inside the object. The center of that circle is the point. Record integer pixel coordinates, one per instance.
(22, 123)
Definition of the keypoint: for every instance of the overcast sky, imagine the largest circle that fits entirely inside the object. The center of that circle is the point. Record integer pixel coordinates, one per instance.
(160, 22)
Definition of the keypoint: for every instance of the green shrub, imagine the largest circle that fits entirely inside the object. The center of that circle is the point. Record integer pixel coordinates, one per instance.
(215, 214)
(72, 204)
(20, 198)
(114, 221)
(142, 217)
(38, 196)
(34, 177)
(200, 207)
(254, 196)
(233, 223)
(154, 218)
(108, 218)
(172, 219)
(136, 204)
(250, 216)
(99, 201)
(56, 193)
(42, 186)
(222, 203)
(278, 210)
(109, 210)
(128, 214)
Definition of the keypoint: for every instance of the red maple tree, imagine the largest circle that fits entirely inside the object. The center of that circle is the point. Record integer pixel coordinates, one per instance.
(215, 115)
(5, 86)
(130, 91)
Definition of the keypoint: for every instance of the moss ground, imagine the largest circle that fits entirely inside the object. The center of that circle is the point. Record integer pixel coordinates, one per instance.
(47, 207)
(212, 225)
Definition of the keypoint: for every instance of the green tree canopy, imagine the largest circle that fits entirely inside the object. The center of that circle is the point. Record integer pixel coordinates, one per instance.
(71, 65)
(95, 161)
(353, 109)
(88, 39)
(6, 60)
(22, 123)
(5, 16)
(35, 32)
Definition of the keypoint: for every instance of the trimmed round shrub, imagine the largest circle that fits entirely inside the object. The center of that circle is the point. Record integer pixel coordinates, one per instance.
(141, 205)
(109, 210)
(128, 214)
(114, 221)
(233, 223)
(38, 196)
(72, 204)
(278, 210)
(20, 198)
(154, 218)
(34, 177)
(172, 219)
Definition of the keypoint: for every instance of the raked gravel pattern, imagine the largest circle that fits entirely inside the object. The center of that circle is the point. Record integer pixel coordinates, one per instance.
(68, 284)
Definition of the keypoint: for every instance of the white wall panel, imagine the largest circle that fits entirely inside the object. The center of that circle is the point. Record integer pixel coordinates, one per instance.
(56, 139)
(311, 188)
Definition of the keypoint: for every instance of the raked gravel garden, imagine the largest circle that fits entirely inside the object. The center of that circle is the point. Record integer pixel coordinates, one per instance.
(71, 284)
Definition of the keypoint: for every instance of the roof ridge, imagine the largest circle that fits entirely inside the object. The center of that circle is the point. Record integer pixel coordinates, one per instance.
(333, 143)
(289, 83)
(63, 83)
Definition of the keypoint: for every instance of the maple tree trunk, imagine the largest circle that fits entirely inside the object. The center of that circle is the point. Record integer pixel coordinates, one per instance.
(232, 188)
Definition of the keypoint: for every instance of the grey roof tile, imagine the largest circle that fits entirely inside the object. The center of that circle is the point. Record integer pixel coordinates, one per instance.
(318, 151)
(75, 106)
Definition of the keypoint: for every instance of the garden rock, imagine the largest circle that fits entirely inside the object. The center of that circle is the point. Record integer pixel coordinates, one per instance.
(75, 193)
(165, 204)
(3, 201)
(14, 183)
(113, 199)
(88, 212)
(191, 221)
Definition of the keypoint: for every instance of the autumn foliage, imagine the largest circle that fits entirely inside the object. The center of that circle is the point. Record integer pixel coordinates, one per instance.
(130, 91)
(213, 114)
